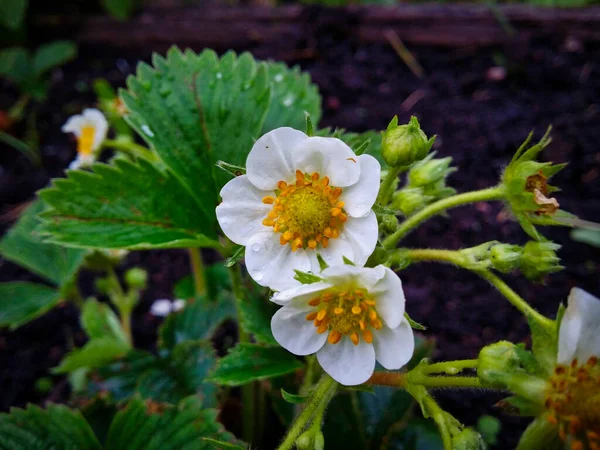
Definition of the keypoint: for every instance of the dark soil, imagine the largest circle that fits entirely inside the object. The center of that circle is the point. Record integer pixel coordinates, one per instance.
(480, 120)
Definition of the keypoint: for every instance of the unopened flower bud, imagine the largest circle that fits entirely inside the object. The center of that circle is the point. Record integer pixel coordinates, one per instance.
(430, 171)
(539, 259)
(468, 439)
(505, 257)
(388, 223)
(403, 145)
(410, 200)
(136, 278)
(495, 360)
(319, 443)
(304, 441)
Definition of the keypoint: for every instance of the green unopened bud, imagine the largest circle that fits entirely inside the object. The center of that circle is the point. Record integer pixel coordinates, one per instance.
(506, 257)
(495, 360)
(319, 443)
(429, 171)
(136, 278)
(410, 200)
(468, 439)
(104, 285)
(539, 259)
(403, 145)
(305, 441)
(388, 223)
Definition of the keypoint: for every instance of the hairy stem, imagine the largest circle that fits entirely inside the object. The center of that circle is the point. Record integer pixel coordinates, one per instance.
(322, 394)
(197, 270)
(437, 414)
(387, 186)
(451, 367)
(494, 193)
(119, 299)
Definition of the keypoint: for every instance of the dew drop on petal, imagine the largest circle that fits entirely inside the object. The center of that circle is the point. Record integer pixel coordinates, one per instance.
(255, 247)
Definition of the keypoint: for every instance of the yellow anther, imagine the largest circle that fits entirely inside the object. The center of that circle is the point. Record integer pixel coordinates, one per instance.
(335, 232)
(368, 336)
(298, 242)
(311, 316)
(340, 205)
(342, 217)
(327, 232)
(268, 222)
(322, 328)
(324, 182)
(282, 185)
(321, 314)
(272, 215)
(282, 240)
(337, 311)
(354, 338)
(312, 244)
(268, 200)
(356, 310)
(288, 235)
(335, 212)
(325, 242)
(334, 337)
(372, 314)
(361, 324)
(85, 142)
(315, 301)
(314, 176)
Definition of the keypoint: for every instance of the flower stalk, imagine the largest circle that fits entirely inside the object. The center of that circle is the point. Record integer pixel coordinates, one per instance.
(197, 271)
(493, 193)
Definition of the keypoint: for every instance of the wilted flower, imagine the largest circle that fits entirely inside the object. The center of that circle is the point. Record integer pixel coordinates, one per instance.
(164, 307)
(90, 128)
(349, 319)
(301, 195)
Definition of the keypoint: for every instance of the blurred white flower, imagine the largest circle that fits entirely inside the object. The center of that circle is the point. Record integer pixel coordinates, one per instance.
(350, 319)
(301, 195)
(164, 307)
(90, 128)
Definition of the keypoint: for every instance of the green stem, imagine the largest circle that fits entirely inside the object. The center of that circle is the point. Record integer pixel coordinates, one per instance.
(197, 270)
(437, 414)
(16, 110)
(131, 148)
(446, 382)
(387, 186)
(494, 193)
(119, 299)
(454, 257)
(247, 389)
(451, 367)
(322, 393)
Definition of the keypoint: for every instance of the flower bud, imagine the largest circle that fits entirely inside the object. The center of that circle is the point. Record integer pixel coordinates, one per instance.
(429, 171)
(304, 441)
(539, 259)
(410, 200)
(495, 360)
(468, 439)
(388, 223)
(319, 443)
(506, 257)
(136, 278)
(405, 144)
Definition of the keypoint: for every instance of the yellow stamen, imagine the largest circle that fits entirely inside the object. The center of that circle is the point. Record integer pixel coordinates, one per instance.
(85, 142)
(354, 338)
(334, 337)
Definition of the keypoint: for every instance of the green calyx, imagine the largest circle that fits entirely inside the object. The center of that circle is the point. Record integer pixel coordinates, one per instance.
(539, 259)
(468, 439)
(403, 145)
(527, 190)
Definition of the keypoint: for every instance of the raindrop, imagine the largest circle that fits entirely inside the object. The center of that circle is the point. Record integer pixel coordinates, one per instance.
(219, 75)
(255, 247)
(289, 100)
(146, 129)
(258, 276)
(278, 78)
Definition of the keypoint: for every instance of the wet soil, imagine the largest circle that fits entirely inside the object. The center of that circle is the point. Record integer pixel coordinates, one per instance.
(480, 113)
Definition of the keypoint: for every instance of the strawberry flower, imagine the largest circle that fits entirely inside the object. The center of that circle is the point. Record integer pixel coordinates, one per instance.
(90, 128)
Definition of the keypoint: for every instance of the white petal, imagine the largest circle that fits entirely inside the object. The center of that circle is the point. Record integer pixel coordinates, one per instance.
(360, 197)
(74, 125)
(390, 299)
(394, 347)
(579, 335)
(329, 157)
(333, 255)
(76, 163)
(178, 304)
(364, 277)
(362, 234)
(301, 293)
(295, 333)
(347, 363)
(242, 211)
(270, 159)
(271, 264)
(161, 308)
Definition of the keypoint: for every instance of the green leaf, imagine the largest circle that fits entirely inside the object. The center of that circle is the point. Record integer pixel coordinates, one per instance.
(196, 110)
(99, 320)
(255, 313)
(544, 344)
(293, 398)
(95, 353)
(129, 205)
(237, 256)
(22, 302)
(15, 65)
(198, 320)
(587, 236)
(221, 445)
(12, 13)
(56, 427)
(249, 362)
(119, 9)
(306, 278)
(24, 246)
(292, 94)
(414, 324)
(52, 55)
(30, 152)
(157, 426)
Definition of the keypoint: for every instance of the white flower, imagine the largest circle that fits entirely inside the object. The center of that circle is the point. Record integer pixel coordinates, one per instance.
(164, 307)
(579, 334)
(572, 397)
(90, 128)
(301, 195)
(352, 317)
